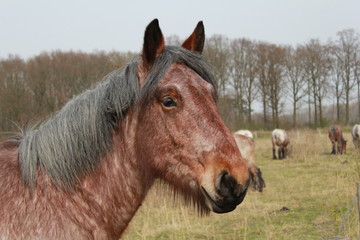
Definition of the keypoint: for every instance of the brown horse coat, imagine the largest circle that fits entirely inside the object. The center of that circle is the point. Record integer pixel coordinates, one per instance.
(337, 140)
(84, 173)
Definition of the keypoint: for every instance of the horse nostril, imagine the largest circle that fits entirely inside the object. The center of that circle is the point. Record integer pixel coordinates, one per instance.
(230, 193)
(227, 185)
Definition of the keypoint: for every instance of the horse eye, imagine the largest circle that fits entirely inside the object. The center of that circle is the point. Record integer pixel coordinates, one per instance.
(168, 102)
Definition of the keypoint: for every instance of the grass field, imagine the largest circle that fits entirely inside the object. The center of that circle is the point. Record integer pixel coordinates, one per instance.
(306, 197)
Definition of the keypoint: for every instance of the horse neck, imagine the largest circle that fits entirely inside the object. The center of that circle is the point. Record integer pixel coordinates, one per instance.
(121, 183)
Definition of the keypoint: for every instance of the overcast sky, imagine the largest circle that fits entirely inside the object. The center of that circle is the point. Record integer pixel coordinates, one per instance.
(29, 27)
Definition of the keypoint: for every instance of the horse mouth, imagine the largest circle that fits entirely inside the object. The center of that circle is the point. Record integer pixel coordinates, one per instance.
(223, 206)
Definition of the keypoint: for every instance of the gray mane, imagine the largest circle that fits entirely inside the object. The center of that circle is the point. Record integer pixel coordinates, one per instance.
(72, 142)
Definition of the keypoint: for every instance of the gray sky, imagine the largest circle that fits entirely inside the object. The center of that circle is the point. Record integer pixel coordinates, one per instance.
(29, 27)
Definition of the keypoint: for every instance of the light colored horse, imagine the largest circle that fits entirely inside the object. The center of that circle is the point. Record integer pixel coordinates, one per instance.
(247, 150)
(280, 138)
(245, 132)
(355, 133)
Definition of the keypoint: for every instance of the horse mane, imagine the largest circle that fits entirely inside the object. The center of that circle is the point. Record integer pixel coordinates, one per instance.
(75, 138)
(71, 144)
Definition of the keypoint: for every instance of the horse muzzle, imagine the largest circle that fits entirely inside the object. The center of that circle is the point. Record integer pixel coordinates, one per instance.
(229, 194)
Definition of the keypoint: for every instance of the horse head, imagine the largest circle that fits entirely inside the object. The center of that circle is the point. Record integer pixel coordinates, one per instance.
(187, 143)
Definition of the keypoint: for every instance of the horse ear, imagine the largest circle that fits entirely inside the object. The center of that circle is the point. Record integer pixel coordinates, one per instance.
(153, 45)
(196, 40)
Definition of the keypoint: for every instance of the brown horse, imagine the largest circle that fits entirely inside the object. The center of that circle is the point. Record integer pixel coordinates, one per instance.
(84, 173)
(336, 138)
(280, 138)
(247, 149)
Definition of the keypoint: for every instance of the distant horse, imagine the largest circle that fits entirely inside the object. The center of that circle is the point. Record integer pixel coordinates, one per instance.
(280, 138)
(336, 138)
(84, 172)
(247, 150)
(245, 132)
(356, 136)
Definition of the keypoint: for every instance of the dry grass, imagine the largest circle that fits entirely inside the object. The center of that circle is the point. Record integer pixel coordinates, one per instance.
(315, 186)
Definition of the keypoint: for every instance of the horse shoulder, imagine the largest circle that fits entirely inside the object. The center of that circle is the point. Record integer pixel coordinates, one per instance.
(46, 208)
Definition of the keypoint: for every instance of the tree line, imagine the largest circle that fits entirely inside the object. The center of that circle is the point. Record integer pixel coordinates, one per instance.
(260, 84)
(32, 89)
(287, 82)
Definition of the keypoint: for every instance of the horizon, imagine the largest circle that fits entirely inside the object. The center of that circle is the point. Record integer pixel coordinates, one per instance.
(30, 28)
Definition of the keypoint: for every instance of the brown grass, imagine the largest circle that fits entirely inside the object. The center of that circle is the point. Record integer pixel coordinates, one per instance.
(317, 189)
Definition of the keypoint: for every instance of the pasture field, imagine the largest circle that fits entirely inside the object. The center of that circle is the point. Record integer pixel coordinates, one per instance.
(306, 197)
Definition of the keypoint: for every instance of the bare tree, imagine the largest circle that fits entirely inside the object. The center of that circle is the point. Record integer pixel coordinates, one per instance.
(276, 81)
(347, 56)
(316, 63)
(270, 66)
(14, 97)
(336, 81)
(296, 82)
(262, 64)
(237, 72)
(217, 52)
(243, 76)
(250, 90)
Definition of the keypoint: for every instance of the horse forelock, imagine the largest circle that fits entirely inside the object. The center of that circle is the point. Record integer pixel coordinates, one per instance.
(170, 55)
(71, 143)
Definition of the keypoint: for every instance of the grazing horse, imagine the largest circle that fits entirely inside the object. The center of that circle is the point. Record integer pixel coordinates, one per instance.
(247, 150)
(336, 138)
(245, 132)
(83, 173)
(356, 136)
(280, 138)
